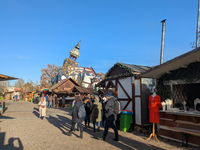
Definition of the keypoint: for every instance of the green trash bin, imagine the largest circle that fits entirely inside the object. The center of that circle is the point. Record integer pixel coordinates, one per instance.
(31, 100)
(70, 106)
(125, 120)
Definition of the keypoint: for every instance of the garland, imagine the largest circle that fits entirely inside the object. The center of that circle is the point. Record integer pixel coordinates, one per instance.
(189, 75)
(128, 71)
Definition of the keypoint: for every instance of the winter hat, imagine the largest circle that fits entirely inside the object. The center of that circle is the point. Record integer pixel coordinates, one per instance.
(77, 98)
(96, 99)
(109, 94)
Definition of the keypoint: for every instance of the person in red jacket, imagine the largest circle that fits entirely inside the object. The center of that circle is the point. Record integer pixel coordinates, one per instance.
(154, 105)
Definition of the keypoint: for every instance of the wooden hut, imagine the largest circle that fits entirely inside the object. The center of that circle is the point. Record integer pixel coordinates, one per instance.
(132, 91)
(179, 80)
(63, 89)
(9, 95)
(64, 86)
(29, 95)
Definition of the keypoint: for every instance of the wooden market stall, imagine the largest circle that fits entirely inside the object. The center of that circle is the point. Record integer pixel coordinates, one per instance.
(131, 90)
(63, 89)
(179, 80)
(29, 95)
(8, 95)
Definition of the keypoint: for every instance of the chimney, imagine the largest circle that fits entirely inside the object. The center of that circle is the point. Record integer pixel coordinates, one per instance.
(197, 34)
(162, 41)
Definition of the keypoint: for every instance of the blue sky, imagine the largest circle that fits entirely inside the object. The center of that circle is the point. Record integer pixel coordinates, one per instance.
(40, 32)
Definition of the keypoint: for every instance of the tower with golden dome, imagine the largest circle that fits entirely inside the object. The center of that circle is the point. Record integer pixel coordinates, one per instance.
(74, 53)
(70, 63)
(84, 76)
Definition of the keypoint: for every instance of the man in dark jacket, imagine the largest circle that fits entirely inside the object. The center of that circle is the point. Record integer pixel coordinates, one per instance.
(75, 119)
(63, 101)
(87, 104)
(110, 116)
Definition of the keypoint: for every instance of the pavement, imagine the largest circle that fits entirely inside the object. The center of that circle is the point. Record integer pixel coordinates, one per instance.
(21, 129)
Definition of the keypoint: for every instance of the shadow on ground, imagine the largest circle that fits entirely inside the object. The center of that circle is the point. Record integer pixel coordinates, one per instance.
(10, 145)
(5, 117)
(61, 122)
(64, 124)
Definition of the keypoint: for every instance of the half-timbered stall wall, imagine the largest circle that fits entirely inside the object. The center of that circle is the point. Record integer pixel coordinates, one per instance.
(179, 81)
(131, 90)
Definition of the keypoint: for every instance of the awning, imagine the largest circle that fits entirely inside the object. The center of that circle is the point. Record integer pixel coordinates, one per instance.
(181, 61)
(5, 77)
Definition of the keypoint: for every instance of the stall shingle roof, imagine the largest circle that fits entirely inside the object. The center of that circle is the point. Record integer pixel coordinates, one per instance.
(61, 82)
(83, 90)
(136, 68)
(131, 70)
(181, 61)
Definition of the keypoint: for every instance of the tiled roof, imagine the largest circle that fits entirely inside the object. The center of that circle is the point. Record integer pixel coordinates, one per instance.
(83, 90)
(136, 68)
(131, 70)
(61, 82)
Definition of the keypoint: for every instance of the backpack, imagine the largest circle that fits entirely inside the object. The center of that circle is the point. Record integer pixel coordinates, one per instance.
(88, 104)
(81, 112)
(117, 107)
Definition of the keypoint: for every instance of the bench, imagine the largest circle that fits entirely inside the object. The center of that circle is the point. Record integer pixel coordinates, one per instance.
(186, 128)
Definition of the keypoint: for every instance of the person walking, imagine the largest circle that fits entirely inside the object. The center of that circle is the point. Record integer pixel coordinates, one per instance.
(50, 101)
(76, 125)
(42, 108)
(63, 101)
(87, 105)
(15, 97)
(56, 101)
(47, 100)
(110, 116)
(75, 119)
(96, 113)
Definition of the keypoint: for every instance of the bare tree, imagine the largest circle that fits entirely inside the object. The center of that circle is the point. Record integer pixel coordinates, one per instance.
(3, 87)
(19, 83)
(47, 74)
(28, 87)
(36, 84)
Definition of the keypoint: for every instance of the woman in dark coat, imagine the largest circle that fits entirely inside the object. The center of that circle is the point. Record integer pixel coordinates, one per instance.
(56, 101)
(75, 119)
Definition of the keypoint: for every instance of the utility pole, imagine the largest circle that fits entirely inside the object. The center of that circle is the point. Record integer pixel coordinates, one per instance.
(162, 41)
(197, 34)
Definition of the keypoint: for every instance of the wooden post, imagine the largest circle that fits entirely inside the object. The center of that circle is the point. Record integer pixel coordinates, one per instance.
(153, 134)
(171, 88)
